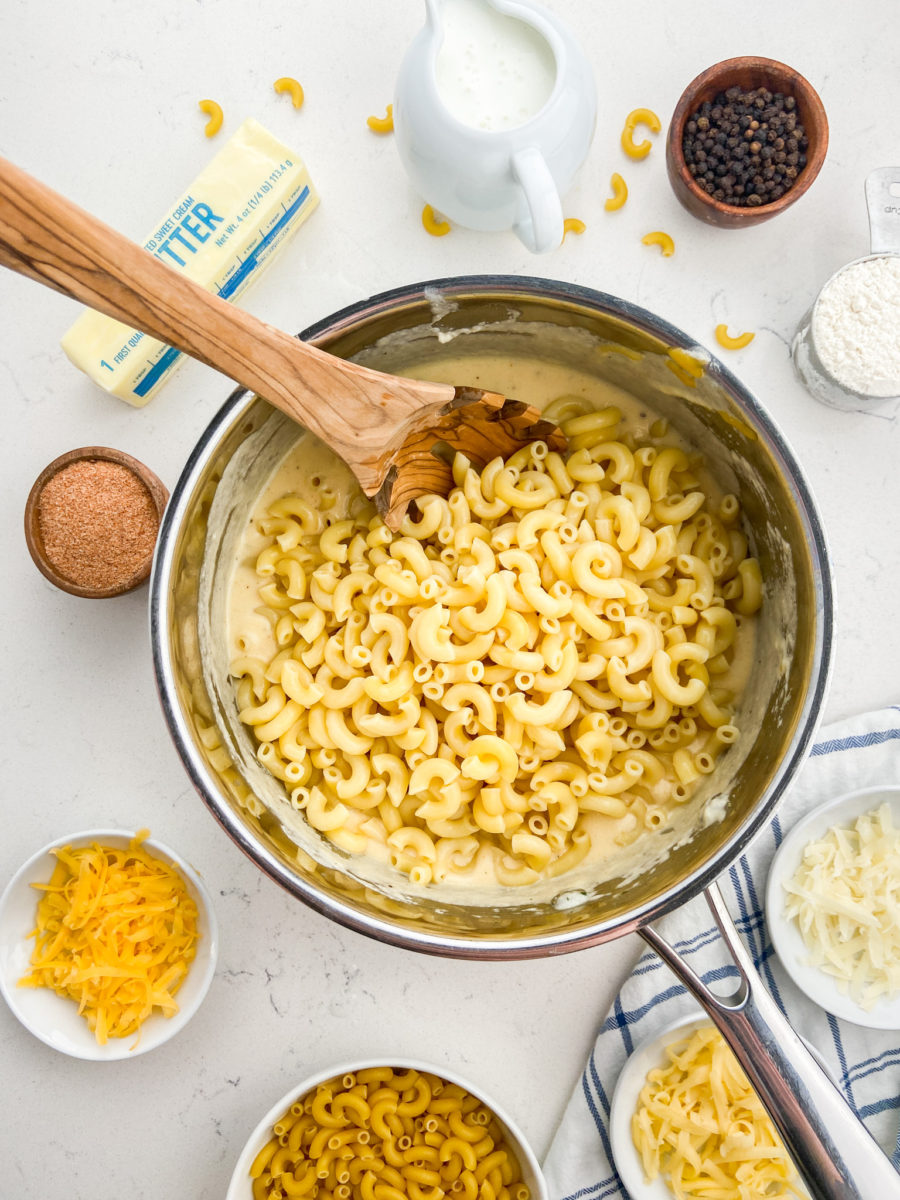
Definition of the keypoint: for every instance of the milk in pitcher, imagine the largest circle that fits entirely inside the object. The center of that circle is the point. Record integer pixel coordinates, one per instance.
(493, 72)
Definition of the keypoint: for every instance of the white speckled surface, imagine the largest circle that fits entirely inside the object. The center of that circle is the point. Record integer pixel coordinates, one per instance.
(98, 99)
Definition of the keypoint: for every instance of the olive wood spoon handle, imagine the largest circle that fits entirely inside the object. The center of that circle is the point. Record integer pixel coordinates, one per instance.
(353, 409)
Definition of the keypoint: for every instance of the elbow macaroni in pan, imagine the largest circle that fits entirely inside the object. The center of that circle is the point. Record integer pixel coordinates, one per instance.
(383, 1134)
(537, 668)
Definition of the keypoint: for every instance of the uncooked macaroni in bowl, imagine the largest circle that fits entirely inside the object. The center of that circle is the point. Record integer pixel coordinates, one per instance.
(534, 672)
(388, 1133)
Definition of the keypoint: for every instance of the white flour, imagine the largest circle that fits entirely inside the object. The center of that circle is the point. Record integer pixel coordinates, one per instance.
(856, 327)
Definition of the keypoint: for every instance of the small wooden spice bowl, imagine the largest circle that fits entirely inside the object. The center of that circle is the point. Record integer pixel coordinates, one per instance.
(746, 73)
(34, 537)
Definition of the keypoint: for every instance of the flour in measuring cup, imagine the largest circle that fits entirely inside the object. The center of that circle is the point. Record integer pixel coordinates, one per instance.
(856, 326)
(493, 72)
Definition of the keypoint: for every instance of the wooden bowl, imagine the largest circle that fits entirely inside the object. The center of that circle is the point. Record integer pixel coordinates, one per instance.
(746, 73)
(34, 538)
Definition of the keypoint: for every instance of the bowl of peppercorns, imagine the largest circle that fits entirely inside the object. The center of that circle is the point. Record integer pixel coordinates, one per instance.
(746, 140)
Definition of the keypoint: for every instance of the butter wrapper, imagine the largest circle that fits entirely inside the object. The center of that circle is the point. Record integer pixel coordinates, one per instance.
(221, 232)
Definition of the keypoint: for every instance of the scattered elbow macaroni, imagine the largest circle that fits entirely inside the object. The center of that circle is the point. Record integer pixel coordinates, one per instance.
(383, 124)
(214, 112)
(573, 225)
(620, 193)
(845, 897)
(663, 240)
(544, 649)
(432, 224)
(727, 342)
(386, 1134)
(639, 116)
(701, 1126)
(292, 87)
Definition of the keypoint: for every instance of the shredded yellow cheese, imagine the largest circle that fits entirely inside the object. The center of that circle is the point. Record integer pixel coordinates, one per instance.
(116, 932)
(845, 897)
(702, 1128)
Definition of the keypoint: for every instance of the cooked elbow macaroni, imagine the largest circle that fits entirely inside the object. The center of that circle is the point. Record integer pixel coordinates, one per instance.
(702, 1128)
(387, 1134)
(544, 651)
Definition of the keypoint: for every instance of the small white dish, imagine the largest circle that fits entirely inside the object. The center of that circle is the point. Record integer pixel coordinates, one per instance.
(644, 1058)
(240, 1186)
(54, 1019)
(647, 1056)
(786, 937)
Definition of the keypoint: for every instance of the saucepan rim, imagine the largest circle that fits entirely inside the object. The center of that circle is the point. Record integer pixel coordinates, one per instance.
(415, 936)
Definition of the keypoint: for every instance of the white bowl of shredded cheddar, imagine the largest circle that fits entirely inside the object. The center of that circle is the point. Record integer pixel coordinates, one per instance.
(366, 1130)
(673, 1134)
(111, 986)
(831, 900)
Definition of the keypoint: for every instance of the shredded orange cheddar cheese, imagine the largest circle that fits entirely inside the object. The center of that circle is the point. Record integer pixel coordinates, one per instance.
(116, 932)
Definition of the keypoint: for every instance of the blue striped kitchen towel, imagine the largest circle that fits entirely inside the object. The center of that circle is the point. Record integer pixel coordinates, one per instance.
(858, 753)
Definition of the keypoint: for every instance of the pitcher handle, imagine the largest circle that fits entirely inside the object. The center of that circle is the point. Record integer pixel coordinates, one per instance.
(541, 229)
(832, 1149)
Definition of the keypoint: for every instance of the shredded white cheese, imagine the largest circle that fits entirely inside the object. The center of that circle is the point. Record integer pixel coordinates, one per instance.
(845, 898)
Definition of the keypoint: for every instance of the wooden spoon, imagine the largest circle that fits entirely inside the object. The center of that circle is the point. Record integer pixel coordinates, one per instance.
(382, 426)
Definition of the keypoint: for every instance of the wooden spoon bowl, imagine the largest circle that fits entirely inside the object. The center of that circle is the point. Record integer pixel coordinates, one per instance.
(746, 73)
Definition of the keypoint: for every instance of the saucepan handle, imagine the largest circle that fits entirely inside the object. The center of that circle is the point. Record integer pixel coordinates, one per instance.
(833, 1150)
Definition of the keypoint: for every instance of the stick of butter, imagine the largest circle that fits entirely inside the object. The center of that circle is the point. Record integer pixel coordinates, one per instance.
(221, 233)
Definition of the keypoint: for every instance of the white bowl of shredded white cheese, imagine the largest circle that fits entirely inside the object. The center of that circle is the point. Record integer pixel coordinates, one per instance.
(831, 902)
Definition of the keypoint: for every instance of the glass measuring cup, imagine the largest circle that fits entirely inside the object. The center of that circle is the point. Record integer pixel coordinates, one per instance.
(507, 165)
(823, 365)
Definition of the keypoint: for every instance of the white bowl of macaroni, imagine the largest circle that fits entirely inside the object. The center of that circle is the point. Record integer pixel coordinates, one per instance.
(373, 1130)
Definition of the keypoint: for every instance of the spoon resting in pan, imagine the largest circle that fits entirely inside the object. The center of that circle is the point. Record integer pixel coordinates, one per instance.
(384, 427)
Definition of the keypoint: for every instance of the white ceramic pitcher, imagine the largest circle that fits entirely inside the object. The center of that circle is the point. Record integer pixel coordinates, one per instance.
(509, 177)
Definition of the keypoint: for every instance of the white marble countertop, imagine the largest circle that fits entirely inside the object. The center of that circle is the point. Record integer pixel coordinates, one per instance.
(98, 98)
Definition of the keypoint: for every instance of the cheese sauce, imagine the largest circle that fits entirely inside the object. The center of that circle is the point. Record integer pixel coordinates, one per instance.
(312, 472)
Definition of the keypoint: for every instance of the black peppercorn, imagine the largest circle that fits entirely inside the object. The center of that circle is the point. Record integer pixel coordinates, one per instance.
(745, 147)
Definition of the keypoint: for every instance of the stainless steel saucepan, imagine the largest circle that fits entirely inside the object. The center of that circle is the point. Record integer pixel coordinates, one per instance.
(503, 317)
